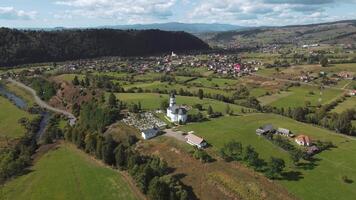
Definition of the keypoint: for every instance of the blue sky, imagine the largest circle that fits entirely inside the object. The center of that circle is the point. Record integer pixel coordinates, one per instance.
(88, 13)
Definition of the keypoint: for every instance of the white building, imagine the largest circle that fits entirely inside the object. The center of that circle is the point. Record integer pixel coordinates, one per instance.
(176, 113)
(195, 140)
(149, 133)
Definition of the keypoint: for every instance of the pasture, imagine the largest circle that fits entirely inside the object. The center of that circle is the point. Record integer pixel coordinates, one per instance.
(9, 117)
(298, 96)
(152, 101)
(67, 174)
(349, 103)
(321, 179)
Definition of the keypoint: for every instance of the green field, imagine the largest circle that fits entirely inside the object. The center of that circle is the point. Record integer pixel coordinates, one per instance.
(152, 101)
(9, 117)
(322, 182)
(67, 174)
(20, 92)
(297, 96)
(214, 82)
(169, 87)
(349, 103)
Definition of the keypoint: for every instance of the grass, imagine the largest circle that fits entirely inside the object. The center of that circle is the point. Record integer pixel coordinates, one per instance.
(299, 95)
(9, 117)
(24, 94)
(323, 180)
(169, 87)
(68, 77)
(152, 101)
(349, 103)
(67, 174)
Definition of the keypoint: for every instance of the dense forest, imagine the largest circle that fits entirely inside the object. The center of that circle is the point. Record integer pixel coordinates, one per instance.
(20, 47)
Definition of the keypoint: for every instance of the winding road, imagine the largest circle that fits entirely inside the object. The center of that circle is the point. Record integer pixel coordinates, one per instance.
(72, 119)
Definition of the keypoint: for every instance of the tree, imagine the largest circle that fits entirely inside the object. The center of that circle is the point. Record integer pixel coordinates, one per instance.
(210, 110)
(158, 190)
(76, 109)
(87, 82)
(275, 167)
(120, 156)
(251, 156)
(232, 151)
(164, 105)
(324, 62)
(75, 80)
(112, 101)
(343, 123)
(200, 94)
(296, 155)
(108, 150)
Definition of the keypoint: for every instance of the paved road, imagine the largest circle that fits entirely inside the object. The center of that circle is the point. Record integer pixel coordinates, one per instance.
(41, 103)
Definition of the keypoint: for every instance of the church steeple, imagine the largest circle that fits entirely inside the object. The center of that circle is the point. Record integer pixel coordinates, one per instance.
(172, 100)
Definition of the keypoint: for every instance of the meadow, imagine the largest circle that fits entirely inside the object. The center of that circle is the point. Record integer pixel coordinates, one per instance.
(321, 179)
(349, 103)
(9, 126)
(298, 96)
(67, 173)
(152, 101)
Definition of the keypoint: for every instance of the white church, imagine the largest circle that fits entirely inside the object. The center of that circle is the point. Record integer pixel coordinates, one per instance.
(176, 113)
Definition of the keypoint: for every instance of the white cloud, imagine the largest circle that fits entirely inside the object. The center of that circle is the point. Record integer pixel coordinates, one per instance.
(121, 10)
(10, 13)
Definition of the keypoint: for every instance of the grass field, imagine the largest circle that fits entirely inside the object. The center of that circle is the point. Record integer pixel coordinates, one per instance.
(323, 180)
(67, 174)
(151, 101)
(348, 104)
(214, 82)
(20, 92)
(9, 117)
(169, 87)
(299, 95)
(68, 77)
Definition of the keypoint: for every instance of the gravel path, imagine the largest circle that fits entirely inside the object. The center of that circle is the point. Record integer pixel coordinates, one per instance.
(175, 134)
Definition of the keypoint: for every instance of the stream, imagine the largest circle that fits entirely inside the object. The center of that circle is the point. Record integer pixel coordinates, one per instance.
(20, 103)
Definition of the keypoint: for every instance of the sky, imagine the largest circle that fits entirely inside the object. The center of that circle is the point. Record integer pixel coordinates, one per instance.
(92, 13)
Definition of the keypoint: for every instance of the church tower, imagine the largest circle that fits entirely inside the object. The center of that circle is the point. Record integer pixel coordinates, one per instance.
(172, 100)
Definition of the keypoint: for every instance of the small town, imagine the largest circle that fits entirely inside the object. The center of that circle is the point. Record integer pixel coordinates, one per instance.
(177, 100)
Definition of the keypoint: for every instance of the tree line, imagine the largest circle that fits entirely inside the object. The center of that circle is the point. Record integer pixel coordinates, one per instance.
(26, 46)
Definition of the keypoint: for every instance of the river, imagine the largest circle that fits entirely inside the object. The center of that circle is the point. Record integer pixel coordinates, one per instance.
(20, 103)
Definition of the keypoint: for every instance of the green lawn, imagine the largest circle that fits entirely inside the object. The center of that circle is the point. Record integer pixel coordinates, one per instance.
(9, 117)
(322, 182)
(67, 174)
(152, 101)
(348, 104)
(299, 95)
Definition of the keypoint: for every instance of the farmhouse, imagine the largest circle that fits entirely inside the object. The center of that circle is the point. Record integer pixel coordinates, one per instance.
(352, 92)
(346, 75)
(265, 129)
(195, 140)
(284, 132)
(176, 113)
(303, 140)
(149, 133)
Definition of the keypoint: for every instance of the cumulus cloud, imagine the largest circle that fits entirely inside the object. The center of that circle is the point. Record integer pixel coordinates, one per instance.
(127, 10)
(10, 13)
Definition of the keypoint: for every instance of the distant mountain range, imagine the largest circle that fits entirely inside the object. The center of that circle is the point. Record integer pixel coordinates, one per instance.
(176, 26)
(339, 32)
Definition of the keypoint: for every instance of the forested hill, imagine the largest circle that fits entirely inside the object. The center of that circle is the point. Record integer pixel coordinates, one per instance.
(19, 47)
